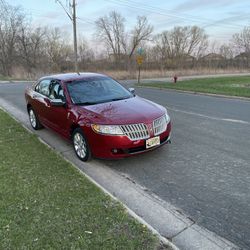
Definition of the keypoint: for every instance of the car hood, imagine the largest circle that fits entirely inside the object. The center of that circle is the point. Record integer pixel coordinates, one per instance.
(128, 111)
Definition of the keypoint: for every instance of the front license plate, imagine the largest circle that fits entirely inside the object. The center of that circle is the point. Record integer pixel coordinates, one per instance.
(153, 142)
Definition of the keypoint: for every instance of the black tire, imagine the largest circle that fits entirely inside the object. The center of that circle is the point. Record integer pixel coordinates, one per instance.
(81, 146)
(34, 121)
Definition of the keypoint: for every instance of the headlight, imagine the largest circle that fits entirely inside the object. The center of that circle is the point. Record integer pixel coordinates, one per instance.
(107, 129)
(167, 117)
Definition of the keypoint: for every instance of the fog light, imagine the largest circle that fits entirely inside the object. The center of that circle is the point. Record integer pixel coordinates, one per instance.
(114, 150)
(117, 151)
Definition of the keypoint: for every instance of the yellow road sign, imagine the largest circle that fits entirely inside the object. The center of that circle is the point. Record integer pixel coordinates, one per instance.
(139, 60)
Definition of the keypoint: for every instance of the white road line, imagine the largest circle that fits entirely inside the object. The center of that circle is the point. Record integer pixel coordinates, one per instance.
(209, 117)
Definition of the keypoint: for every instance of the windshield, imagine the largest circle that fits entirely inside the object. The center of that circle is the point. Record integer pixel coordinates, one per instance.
(95, 90)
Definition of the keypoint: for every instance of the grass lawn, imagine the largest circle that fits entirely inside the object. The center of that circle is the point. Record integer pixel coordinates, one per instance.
(232, 86)
(45, 203)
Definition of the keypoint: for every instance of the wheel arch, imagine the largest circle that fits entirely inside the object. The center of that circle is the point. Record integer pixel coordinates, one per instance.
(28, 106)
(73, 127)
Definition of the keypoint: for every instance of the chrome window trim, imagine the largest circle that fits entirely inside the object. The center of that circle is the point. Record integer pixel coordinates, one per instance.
(44, 96)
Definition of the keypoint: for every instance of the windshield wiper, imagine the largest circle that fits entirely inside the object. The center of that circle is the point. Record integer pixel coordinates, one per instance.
(85, 103)
(118, 99)
(103, 101)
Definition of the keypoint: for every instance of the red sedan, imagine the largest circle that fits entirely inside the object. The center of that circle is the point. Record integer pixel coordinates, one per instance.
(101, 117)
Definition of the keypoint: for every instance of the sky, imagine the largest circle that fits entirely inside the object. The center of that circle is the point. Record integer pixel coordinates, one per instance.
(220, 18)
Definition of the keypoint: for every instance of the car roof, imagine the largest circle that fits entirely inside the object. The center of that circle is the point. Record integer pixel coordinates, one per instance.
(67, 77)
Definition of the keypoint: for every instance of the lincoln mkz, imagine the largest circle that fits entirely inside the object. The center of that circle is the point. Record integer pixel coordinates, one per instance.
(101, 117)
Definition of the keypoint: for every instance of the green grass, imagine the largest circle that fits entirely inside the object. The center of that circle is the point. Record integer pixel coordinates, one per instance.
(232, 86)
(45, 203)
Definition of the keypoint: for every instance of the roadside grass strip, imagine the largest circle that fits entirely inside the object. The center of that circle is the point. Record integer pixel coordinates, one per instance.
(45, 203)
(231, 86)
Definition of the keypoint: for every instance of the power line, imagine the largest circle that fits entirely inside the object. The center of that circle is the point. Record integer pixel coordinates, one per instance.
(72, 17)
(159, 11)
(68, 14)
(86, 20)
(188, 16)
(90, 21)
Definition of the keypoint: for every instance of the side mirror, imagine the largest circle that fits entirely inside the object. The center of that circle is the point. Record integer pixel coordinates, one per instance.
(132, 90)
(57, 103)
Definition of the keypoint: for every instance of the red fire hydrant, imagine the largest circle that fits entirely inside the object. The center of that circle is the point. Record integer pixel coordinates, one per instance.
(175, 78)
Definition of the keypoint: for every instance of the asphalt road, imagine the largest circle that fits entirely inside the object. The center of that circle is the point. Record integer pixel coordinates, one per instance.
(205, 171)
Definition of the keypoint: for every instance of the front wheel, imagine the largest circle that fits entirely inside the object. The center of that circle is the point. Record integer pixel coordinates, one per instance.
(35, 123)
(81, 146)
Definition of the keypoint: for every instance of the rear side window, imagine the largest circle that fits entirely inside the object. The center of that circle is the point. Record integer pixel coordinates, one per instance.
(43, 87)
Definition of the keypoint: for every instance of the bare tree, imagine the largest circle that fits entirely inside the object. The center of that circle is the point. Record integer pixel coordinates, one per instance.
(197, 40)
(242, 40)
(11, 19)
(31, 47)
(85, 53)
(110, 30)
(141, 32)
(59, 52)
(180, 42)
(241, 43)
(226, 50)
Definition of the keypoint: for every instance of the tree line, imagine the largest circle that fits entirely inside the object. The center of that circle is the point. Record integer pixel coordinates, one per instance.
(40, 50)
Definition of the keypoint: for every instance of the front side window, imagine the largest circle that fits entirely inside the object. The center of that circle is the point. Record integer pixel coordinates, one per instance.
(56, 91)
(98, 89)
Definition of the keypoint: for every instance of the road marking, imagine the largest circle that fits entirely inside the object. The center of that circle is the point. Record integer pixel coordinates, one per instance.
(209, 117)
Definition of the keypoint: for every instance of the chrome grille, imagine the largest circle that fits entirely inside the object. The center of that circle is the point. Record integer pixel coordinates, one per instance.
(160, 125)
(135, 131)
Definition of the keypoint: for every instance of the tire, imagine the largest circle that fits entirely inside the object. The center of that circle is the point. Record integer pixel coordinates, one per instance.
(81, 145)
(34, 121)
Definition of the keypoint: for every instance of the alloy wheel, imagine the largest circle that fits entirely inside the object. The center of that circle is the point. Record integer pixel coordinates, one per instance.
(80, 145)
(32, 117)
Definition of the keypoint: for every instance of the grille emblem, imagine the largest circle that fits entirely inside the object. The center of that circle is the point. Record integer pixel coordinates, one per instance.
(150, 128)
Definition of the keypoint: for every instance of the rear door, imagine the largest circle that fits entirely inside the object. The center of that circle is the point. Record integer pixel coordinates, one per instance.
(40, 101)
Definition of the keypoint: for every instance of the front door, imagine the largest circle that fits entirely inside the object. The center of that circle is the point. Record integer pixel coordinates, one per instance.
(58, 116)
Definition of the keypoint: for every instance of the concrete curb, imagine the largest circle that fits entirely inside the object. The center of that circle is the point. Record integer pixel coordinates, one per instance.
(163, 219)
(196, 93)
(16, 81)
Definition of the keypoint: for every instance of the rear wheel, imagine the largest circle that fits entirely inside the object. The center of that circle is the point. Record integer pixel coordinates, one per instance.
(35, 123)
(81, 146)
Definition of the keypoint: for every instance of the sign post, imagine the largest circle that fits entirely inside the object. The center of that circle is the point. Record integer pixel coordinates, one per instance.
(139, 60)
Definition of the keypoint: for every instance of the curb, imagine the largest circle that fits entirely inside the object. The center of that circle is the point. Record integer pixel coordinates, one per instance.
(16, 81)
(196, 93)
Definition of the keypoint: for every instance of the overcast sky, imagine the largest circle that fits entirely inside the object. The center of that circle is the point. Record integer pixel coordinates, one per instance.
(220, 18)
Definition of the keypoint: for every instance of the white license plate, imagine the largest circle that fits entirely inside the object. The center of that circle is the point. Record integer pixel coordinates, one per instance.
(153, 142)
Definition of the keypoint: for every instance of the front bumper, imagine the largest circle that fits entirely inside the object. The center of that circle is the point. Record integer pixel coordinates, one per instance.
(107, 146)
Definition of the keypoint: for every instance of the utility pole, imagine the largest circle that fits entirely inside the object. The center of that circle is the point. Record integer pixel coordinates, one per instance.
(72, 18)
(75, 36)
